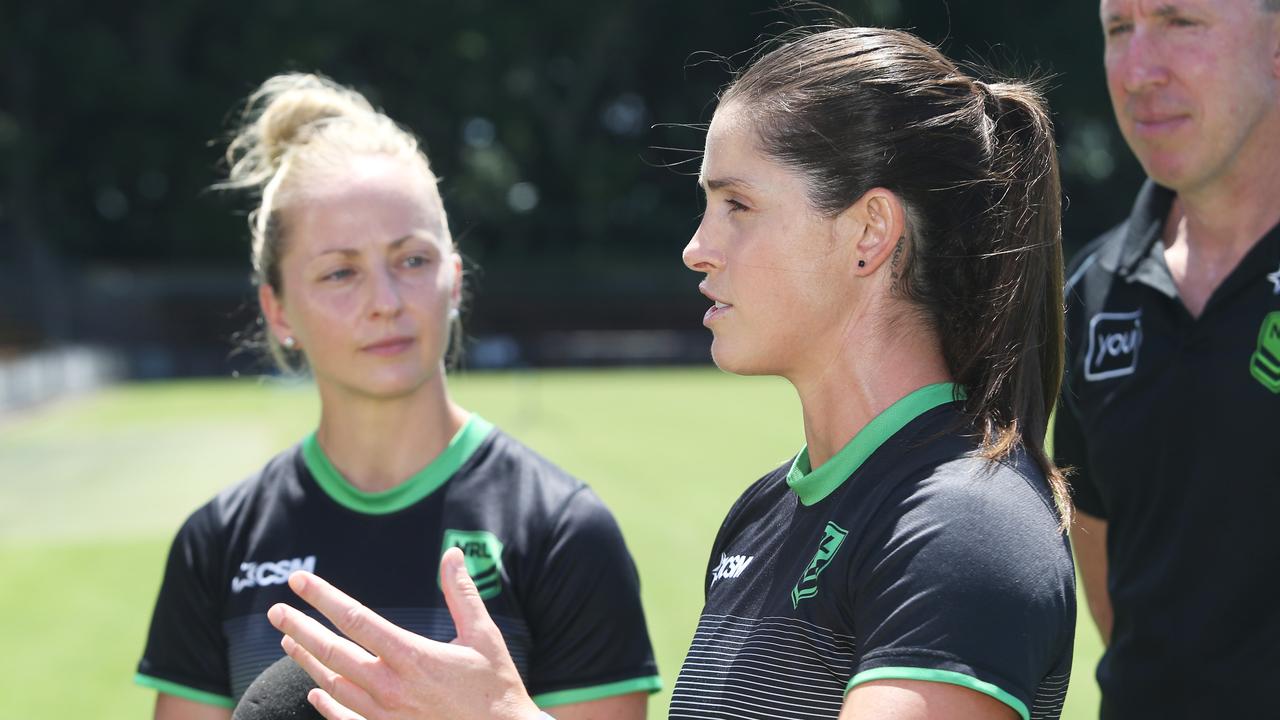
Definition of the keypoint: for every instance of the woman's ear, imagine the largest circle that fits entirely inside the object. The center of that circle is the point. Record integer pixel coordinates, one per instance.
(455, 295)
(872, 226)
(277, 321)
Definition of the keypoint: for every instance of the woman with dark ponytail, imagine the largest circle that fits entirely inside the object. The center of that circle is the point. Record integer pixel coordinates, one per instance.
(882, 230)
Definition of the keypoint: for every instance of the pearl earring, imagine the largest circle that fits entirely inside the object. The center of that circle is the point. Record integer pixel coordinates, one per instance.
(289, 342)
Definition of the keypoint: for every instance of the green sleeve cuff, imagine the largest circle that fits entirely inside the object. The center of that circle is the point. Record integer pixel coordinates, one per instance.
(942, 676)
(182, 691)
(650, 684)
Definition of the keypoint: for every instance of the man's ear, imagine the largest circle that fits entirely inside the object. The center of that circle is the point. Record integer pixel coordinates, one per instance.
(872, 225)
(273, 313)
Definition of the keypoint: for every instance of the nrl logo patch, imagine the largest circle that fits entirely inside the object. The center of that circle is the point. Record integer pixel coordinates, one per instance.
(833, 535)
(483, 552)
(1114, 340)
(1264, 365)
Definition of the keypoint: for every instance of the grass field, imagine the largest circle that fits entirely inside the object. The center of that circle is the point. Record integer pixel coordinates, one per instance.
(92, 489)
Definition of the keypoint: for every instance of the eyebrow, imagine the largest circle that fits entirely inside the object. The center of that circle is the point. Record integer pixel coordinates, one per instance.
(721, 183)
(351, 252)
(1164, 11)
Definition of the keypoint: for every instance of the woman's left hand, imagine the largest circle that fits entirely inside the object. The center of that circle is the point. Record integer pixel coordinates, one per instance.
(384, 671)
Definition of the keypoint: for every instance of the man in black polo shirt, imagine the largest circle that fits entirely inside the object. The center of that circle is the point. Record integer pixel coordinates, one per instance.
(1171, 411)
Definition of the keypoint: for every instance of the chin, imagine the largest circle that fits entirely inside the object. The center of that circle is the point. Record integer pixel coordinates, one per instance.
(736, 360)
(1169, 169)
(393, 387)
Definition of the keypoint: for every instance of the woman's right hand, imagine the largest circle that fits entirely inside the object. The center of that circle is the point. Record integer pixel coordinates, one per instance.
(386, 672)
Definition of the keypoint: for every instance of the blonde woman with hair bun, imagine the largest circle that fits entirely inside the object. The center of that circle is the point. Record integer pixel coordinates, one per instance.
(360, 283)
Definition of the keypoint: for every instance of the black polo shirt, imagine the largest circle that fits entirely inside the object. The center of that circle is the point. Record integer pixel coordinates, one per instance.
(904, 556)
(545, 553)
(1172, 424)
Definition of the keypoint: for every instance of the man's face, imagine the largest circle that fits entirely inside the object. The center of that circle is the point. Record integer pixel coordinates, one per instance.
(1195, 85)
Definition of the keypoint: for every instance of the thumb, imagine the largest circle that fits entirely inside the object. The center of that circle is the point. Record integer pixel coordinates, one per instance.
(470, 617)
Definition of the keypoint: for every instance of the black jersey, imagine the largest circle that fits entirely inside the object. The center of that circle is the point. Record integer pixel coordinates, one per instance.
(1172, 426)
(545, 553)
(902, 557)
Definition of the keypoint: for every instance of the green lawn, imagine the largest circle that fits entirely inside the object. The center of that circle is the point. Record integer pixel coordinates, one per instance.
(92, 489)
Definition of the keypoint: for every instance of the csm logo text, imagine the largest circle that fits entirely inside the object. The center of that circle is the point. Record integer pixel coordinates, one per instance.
(731, 566)
(1114, 340)
(261, 574)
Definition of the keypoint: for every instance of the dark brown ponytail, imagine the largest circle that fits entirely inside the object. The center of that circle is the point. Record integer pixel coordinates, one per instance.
(976, 167)
(1016, 361)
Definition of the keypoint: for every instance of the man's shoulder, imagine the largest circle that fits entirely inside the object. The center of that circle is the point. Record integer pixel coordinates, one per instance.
(1107, 246)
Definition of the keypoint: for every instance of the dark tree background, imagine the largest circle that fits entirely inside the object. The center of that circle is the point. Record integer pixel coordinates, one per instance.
(546, 120)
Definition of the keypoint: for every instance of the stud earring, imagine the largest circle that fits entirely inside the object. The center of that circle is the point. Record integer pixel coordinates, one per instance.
(453, 314)
(289, 342)
(862, 263)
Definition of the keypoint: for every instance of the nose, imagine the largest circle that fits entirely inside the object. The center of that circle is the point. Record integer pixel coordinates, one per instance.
(700, 255)
(385, 295)
(1142, 62)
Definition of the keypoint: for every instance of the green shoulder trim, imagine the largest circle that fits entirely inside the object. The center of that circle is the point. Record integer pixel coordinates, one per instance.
(418, 486)
(942, 676)
(811, 485)
(182, 691)
(651, 684)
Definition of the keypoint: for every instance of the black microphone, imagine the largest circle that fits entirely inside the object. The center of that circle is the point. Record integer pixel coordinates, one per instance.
(279, 693)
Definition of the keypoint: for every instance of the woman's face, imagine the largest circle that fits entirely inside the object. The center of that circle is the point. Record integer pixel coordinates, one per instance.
(779, 278)
(369, 279)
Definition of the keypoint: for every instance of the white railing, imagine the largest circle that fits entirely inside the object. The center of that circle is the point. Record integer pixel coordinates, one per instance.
(45, 375)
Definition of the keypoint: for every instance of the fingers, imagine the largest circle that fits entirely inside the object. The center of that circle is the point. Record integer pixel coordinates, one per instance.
(323, 676)
(335, 687)
(471, 618)
(335, 652)
(356, 621)
(328, 707)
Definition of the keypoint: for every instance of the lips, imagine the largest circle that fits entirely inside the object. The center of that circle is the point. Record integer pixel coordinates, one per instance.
(1150, 121)
(389, 346)
(1155, 125)
(718, 307)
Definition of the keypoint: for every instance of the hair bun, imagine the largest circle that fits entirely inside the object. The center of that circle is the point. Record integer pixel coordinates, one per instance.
(283, 113)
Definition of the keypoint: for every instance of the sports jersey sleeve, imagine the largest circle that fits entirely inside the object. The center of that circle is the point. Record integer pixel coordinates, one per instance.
(959, 594)
(1069, 448)
(1070, 454)
(589, 635)
(728, 525)
(186, 653)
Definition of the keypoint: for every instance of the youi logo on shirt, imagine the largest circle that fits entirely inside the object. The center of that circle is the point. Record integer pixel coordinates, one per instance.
(275, 572)
(1114, 340)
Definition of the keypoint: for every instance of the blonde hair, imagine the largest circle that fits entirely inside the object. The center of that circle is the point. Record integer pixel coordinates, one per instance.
(297, 129)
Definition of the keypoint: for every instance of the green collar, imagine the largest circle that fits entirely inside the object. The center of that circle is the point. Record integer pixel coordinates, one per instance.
(812, 485)
(418, 486)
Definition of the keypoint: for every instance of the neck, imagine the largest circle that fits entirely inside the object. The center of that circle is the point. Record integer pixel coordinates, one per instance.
(379, 443)
(1229, 215)
(1210, 228)
(866, 376)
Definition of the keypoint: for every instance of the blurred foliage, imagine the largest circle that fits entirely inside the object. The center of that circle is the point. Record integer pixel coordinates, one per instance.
(545, 119)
